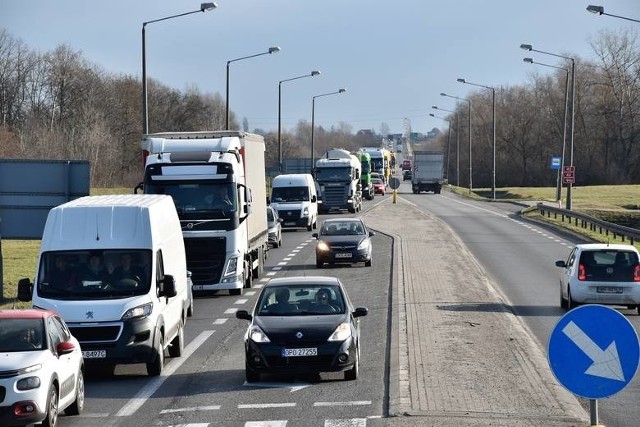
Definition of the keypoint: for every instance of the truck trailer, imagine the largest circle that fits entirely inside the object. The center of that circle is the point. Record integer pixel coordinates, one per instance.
(338, 177)
(217, 181)
(428, 171)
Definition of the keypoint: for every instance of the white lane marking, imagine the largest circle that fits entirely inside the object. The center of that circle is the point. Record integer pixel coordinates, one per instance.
(260, 285)
(155, 383)
(249, 293)
(271, 273)
(241, 301)
(353, 422)
(230, 311)
(266, 405)
(295, 386)
(220, 321)
(294, 252)
(282, 263)
(264, 280)
(94, 415)
(192, 409)
(352, 403)
(288, 258)
(273, 423)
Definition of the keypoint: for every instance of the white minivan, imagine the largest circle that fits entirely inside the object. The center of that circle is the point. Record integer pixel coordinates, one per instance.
(114, 268)
(294, 197)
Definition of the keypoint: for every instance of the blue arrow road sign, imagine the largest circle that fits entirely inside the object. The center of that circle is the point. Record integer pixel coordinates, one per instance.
(555, 163)
(594, 351)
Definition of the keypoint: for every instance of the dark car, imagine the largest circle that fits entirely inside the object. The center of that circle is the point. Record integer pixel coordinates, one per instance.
(302, 325)
(343, 240)
(274, 224)
(406, 175)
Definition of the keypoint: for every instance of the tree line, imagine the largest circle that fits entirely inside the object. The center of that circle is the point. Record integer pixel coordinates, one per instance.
(58, 105)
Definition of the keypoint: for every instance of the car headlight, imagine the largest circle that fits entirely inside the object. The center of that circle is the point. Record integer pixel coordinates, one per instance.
(28, 383)
(342, 332)
(257, 335)
(364, 245)
(143, 310)
(322, 246)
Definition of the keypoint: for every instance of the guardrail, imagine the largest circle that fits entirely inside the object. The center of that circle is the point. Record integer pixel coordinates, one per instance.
(593, 224)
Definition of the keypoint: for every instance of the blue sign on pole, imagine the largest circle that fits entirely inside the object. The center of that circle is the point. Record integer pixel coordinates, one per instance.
(555, 163)
(594, 351)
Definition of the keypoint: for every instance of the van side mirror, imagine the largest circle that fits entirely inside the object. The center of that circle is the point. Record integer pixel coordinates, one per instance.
(25, 290)
(314, 199)
(168, 286)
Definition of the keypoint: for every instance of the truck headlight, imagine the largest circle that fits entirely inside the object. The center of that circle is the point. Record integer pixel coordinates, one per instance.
(140, 311)
(232, 266)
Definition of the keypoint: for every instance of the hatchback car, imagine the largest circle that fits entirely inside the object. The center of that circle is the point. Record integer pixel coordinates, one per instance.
(602, 274)
(343, 240)
(302, 325)
(406, 175)
(378, 186)
(41, 368)
(274, 223)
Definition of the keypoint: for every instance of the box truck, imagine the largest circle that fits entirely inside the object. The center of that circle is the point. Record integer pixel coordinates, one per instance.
(217, 180)
(428, 171)
(114, 268)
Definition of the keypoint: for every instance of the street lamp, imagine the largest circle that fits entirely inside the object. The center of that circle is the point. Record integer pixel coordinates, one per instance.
(145, 111)
(599, 10)
(493, 132)
(435, 107)
(313, 115)
(271, 50)
(470, 159)
(573, 103)
(313, 73)
(564, 123)
(448, 140)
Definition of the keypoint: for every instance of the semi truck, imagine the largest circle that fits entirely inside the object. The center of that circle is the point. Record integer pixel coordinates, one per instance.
(428, 170)
(338, 177)
(379, 161)
(365, 176)
(217, 181)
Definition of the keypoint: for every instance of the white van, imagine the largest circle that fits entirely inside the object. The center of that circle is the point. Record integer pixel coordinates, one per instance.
(114, 268)
(294, 197)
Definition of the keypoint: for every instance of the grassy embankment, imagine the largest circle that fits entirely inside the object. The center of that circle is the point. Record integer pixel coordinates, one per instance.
(617, 204)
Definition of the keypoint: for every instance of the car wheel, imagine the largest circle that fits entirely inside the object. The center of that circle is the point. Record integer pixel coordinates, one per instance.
(571, 304)
(78, 405)
(51, 418)
(154, 368)
(367, 263)
(563, 302)
(177, 345)
(352, 374)
(250, 375)
(319, 264)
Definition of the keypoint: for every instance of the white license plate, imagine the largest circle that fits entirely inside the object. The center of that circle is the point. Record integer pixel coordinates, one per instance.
(289, 223)
(94, 354)
(197, 287)
(344, 255)
(609, 290)
(297, 352)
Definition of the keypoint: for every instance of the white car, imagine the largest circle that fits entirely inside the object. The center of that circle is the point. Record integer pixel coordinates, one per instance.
(41, 368)
(599, 273)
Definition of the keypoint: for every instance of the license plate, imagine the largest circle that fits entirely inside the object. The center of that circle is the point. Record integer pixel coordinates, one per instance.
(344, 255)
(297, 352)
(289, 223)
(609, 290)
(94, 354)
(197, 287)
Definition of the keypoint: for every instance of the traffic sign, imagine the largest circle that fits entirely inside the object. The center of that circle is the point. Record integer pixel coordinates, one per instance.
(593, 351)
(568, 174)
(555, 163)
(394, 183)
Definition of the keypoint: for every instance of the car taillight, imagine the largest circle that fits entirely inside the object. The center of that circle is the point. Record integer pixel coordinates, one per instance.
(582, 272)
(636, 273)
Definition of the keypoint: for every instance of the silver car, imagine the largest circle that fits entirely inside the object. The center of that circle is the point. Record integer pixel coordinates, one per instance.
(274, 223)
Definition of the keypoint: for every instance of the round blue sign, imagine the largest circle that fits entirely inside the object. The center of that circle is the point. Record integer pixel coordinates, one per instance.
(593, 351)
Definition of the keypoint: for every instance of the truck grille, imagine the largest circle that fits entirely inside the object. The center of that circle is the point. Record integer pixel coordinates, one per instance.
(335, 196)
(96, 333)
(205, 258)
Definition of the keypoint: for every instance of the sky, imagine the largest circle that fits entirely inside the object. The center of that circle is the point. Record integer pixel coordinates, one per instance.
(393, 57)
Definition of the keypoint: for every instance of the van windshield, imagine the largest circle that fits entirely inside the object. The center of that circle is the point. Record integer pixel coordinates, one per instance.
(94, 274)
(289, 194)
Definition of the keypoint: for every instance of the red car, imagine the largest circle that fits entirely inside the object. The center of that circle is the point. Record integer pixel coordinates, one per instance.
(406, 165)
(378, 186)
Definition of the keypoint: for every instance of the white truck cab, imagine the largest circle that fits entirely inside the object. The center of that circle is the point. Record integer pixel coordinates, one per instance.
(294, 197)
(114, 268)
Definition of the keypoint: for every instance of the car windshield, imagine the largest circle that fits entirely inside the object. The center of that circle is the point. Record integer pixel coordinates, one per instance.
(342, 228)
(301, 300)
(94, 274)
(21, 335)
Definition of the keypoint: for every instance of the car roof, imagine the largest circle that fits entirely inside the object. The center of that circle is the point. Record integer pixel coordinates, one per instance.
(301, 280)
(605, 246)
(341, 220)
(31, 313)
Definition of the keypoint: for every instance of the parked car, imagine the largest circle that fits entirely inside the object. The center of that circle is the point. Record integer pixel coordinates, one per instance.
(601, 274)
(41, 368)
(302, 325)
(274, 223)
(378, 186)
(406, 175)
(343, 240)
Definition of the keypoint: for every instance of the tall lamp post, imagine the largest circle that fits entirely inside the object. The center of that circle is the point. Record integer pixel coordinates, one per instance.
(564, 123)
(573, 103)
(448, 140)
(470, 158)
(435, 107)
(145, 110)
(313, 115)
(271, 50)
(599, 10)
(493, 132)
(313, 73)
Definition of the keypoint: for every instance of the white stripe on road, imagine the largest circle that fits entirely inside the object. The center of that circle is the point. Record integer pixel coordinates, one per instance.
(220, 321)
(353, 403)
(353, 422)
(276, 423)
(194, 409)
(266, 405)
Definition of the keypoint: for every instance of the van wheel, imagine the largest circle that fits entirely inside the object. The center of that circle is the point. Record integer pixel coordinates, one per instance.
(78, 405)
(309, 227)
(177, 345)
(190, 309)
(51, 418)
(235, 291)
(154, 368)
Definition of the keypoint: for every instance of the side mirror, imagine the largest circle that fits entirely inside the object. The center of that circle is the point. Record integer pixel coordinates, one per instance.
(244, 315)
(360, 311)
(371, 234)
(315, 235)
(168, 286)
(314, 199)
(65, 347)
(561, 264)
(25, 290)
